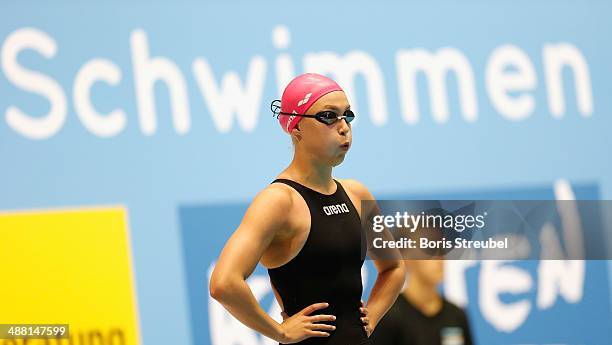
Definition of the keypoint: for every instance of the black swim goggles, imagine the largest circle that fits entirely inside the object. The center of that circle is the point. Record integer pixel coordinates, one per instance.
(327, 117)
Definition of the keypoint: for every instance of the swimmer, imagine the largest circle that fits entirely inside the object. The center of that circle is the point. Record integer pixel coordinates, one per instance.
(305, 229)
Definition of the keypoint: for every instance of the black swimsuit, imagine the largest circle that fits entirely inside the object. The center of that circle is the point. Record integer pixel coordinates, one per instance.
(328, 267)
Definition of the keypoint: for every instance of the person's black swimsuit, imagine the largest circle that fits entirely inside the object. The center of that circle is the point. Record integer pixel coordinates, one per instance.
(328, 267)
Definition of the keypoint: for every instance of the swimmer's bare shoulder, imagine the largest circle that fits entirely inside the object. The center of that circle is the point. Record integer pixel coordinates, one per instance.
(268, 218)
(356, 191)
(356, 187)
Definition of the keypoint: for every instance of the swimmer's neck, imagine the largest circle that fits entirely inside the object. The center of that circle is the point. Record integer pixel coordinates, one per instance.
(425, 297)
(310, 173)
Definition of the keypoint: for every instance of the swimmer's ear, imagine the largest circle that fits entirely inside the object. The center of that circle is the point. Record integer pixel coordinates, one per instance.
(296, 134)
(297, 130)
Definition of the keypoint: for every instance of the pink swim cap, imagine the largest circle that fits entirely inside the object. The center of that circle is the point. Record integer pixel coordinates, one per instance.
(300, 94)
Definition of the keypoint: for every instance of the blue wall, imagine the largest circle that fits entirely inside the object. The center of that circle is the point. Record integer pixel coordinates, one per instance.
(527, 95)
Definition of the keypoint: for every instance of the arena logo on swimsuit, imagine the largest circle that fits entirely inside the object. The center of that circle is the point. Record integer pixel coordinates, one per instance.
(335, 209)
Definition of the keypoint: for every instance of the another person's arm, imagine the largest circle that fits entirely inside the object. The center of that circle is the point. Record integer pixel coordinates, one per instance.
(266, 216)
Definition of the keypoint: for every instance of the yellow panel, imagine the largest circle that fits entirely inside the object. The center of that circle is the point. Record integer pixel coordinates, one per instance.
(72, 267)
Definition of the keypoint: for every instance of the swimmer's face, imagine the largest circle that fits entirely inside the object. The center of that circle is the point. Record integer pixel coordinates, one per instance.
(328, 143)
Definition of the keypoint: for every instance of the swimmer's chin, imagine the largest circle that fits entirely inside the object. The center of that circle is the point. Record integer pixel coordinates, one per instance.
(339, 160)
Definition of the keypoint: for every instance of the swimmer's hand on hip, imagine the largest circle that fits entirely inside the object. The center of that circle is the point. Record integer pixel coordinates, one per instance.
(302, 325)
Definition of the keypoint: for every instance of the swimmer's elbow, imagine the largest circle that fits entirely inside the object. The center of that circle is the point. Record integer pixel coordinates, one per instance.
(215, 288)
(220, 286)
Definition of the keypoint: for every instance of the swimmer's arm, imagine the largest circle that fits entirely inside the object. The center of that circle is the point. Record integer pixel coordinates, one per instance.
(264, 217)
(388, 285)
(391, 273)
